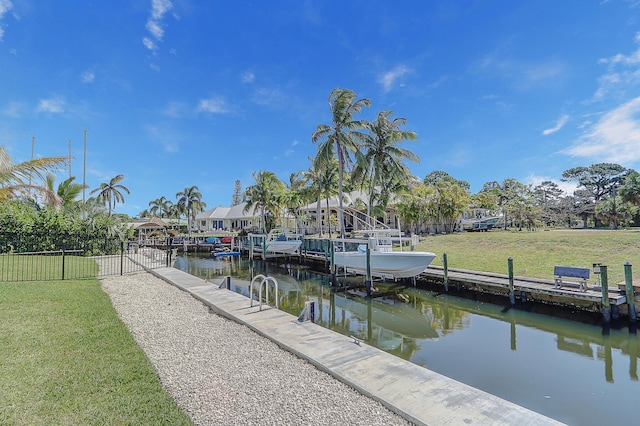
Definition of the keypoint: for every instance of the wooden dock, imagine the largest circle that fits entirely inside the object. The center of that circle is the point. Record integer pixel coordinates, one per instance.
(525, 289)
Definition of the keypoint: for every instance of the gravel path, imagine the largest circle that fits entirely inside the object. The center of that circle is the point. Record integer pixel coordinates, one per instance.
(223, 373)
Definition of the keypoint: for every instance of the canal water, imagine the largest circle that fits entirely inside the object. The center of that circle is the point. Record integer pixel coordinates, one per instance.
(573, 371)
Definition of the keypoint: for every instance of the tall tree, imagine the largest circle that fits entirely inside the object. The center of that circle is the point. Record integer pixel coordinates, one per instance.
(380, 157)
(599, 179)
(15, 178)
(313, 187)
(67, 191)
(191, 201)
(264, 195)
(110, 193)
(630, 188)
(547, 195)
(446, 202)
(343, 135)
(236, 198)
(159, 206)
(614, 210)
(436, 176)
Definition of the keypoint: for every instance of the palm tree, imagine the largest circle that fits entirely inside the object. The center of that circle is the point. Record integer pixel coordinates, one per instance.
(15, 179)
(158, 207)
(264, 195)
(343, 134)
(67, 191)
(382, 157)
(190, 201)
(110, 193)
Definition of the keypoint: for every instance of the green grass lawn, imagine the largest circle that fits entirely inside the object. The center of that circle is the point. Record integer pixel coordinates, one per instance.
(536, 253)
(66, 358)
(16, 267)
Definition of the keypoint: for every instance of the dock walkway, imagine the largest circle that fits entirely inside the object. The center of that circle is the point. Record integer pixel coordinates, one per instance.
(416, 393)
(525, 288)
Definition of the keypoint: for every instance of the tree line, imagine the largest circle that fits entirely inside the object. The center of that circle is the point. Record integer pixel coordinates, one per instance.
(352, 155)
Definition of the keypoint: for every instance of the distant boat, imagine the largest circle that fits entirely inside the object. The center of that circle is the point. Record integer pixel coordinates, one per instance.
(384, 261)
(480, 225)
(279, 241)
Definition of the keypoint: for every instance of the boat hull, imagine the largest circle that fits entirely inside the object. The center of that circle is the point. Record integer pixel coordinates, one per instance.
(283, 247)
(394, 264)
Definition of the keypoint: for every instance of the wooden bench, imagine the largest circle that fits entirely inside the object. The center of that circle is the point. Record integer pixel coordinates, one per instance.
(562, 272)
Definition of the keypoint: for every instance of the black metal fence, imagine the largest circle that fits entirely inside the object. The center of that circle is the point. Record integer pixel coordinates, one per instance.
(43, 258)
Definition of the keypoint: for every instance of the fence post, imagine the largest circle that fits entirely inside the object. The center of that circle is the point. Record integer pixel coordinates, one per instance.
(63, 252)
(121, 257)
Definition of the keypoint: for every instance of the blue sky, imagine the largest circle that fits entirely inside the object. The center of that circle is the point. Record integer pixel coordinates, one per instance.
(184, 92)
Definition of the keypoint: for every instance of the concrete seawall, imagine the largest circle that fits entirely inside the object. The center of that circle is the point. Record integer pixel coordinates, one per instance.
(418, 394)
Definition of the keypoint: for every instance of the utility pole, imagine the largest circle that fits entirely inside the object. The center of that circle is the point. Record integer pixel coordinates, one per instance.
(33, 144)
(69, 158)
(84, 173)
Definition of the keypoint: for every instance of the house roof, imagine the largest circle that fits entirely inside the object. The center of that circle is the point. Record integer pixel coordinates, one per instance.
(234, 212)
(154, 223)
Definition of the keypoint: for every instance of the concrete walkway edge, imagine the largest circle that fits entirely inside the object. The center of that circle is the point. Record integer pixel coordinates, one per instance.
(419, 395)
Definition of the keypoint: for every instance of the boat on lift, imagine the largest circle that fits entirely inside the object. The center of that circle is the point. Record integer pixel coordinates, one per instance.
(278, 241)
(350, 254)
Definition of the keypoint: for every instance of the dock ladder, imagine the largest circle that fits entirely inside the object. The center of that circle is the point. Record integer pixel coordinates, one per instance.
(262, 279)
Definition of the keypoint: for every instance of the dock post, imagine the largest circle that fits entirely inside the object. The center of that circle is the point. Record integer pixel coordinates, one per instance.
(512, 294)
(328, 261)
(606, 307)
(264, 248)
(445, 269)
(367, 282)
(628, 280)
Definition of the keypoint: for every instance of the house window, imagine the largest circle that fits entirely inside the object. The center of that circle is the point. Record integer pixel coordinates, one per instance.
(203, 223)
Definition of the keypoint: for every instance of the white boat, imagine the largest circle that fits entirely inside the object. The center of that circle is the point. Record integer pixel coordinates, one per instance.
(384, 262)
(278, 241)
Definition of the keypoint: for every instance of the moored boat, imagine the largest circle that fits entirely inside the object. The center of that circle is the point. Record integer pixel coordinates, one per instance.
(278, 241)
(384, 262)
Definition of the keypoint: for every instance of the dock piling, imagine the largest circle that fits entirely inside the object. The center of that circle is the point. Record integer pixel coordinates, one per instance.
(445, 267)
(628, 280)
(606, 306)
(512, 294)
(367, 282)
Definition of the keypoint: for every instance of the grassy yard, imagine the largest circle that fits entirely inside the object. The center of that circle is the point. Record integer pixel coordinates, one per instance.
(66, 358)
(16, 267)
(536, 253)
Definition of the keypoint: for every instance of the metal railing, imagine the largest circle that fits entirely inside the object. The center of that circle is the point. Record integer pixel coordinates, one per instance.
(46, 258)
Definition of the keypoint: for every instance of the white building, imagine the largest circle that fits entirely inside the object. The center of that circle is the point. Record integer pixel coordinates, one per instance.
(227, 219)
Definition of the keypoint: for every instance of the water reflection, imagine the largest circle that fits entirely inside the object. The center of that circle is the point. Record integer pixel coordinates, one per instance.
(545, 363)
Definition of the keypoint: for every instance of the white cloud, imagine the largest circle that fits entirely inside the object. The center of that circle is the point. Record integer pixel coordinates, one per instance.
(271, 97)
(623, 72)
(5, 6)
(214, 105)
(149, 44)
(154, 28)
(559, 125)
(87, 76)
(614, 138)
(54, 105)
(248, 77)
(175, 109)
(154, 24)
(389, 78)
(567, 187)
